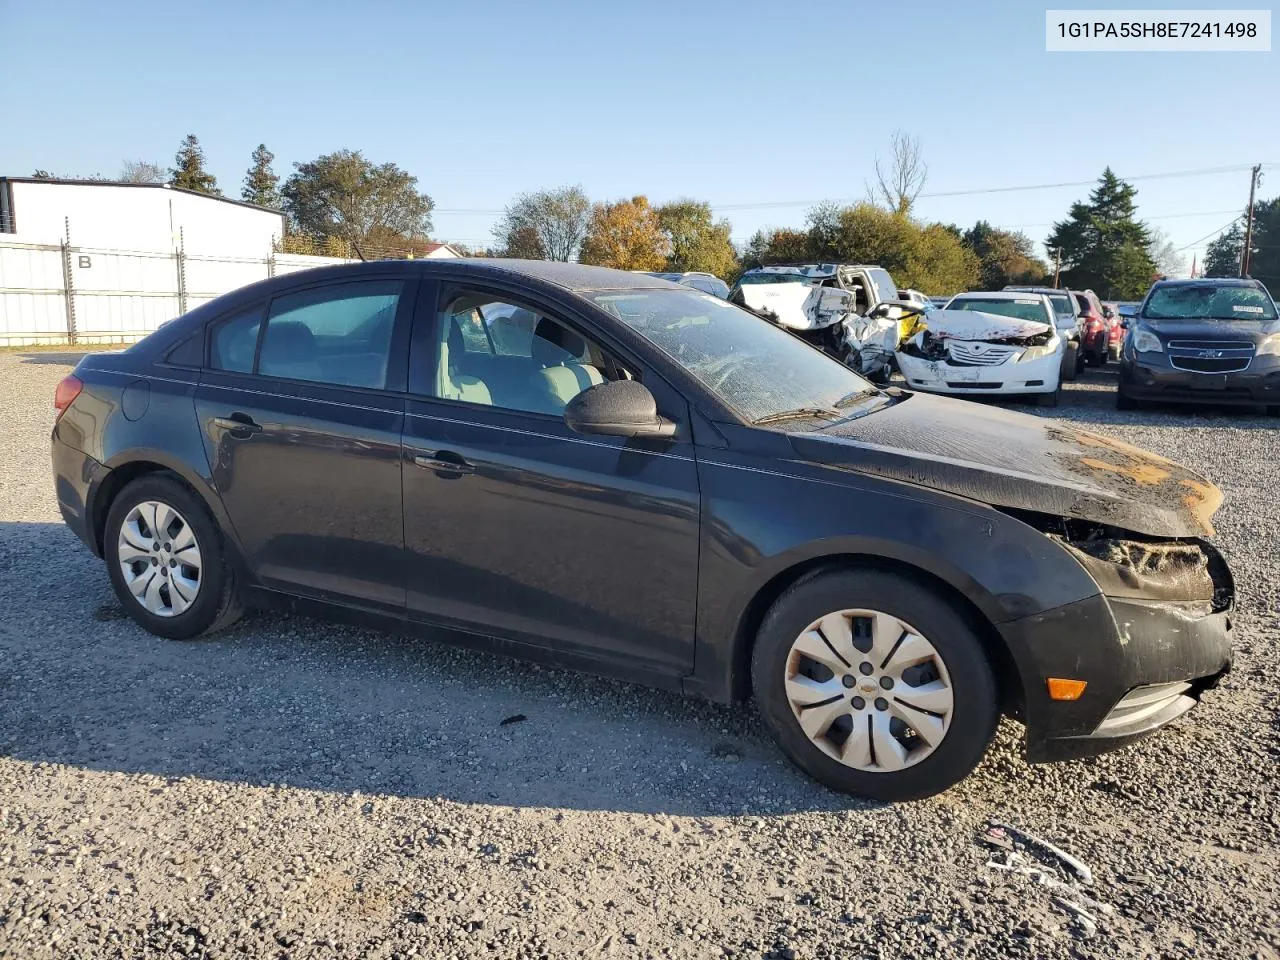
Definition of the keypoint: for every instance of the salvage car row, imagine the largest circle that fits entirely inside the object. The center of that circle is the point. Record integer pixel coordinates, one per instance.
(1201, 341)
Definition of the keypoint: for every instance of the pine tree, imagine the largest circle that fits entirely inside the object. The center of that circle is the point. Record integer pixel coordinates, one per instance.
(1104, 246)
(261, 185)
(188, 172)
(1222, 256)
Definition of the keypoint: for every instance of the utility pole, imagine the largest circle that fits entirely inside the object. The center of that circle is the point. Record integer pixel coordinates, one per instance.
(1057, 266)
(1248, 230)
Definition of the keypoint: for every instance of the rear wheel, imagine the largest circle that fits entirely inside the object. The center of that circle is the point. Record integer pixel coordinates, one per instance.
(875, 685)
(165, 557)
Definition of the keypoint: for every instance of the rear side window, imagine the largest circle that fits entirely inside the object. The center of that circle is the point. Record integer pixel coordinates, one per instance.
(338, 334)
(234, 340)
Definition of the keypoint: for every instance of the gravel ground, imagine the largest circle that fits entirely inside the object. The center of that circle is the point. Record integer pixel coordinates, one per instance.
(297, 789)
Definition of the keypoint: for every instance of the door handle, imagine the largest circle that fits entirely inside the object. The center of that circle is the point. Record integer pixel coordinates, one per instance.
(237, 423)
(444, 461)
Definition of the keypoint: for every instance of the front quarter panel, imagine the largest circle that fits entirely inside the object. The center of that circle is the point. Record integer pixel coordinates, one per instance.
(766, 515)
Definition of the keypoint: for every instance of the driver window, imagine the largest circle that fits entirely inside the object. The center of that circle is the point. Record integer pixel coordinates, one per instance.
(500, 354)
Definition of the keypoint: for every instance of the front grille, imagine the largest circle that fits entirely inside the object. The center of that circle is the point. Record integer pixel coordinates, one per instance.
(979, 354)
(1210, 356)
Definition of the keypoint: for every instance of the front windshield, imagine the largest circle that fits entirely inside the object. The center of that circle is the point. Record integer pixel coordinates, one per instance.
(1202, 301)
(756, 368)
(1028, 308)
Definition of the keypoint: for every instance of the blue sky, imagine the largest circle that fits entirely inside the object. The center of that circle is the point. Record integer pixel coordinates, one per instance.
(734, 103)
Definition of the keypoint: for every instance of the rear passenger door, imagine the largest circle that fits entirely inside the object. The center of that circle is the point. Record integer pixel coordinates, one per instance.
(518, 526)
(301, 406)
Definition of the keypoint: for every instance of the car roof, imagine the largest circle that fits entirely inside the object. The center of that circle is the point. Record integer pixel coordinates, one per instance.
(999, 294)
(1208, 282)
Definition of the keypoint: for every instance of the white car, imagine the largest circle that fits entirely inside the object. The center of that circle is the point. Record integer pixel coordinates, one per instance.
(987, 344)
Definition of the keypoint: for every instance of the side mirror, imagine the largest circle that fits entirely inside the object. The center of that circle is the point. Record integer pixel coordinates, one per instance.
(1124, 323)
(618, 408)
(1108, 312)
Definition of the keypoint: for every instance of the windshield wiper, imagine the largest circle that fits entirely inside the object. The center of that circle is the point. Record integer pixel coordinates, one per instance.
(799, 413)
(851, 398)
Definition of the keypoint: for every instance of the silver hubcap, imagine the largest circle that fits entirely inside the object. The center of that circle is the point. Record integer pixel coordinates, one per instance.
(160, 558)
(869, 690)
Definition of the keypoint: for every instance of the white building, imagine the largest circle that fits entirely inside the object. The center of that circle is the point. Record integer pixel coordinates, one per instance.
(134, 216)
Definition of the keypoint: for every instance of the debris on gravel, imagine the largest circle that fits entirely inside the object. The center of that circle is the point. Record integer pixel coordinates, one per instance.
(298, 789)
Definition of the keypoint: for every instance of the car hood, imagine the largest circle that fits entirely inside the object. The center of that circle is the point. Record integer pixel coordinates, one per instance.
(1254, 330)
(976, 325)
(1015, 460)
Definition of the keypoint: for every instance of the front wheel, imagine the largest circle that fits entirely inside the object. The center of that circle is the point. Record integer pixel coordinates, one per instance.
(1125, 402)
(166, 560)
(874, 685)
(1049, 399)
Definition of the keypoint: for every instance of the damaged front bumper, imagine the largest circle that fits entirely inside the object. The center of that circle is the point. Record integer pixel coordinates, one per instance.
(1146, 660)
(1011, 377)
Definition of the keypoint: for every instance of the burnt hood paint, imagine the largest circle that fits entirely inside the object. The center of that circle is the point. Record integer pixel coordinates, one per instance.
(1015, 460)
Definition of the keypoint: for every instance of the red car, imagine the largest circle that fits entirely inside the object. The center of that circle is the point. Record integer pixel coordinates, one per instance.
(1095, 328)
(1115, 329)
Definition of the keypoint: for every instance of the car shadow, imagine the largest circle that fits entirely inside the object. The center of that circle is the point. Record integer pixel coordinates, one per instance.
(309, 704)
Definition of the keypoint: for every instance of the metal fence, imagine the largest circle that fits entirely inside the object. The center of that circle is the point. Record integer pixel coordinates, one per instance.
(62, 293)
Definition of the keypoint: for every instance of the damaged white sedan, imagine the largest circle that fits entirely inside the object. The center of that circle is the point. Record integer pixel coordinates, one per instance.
(987, 344)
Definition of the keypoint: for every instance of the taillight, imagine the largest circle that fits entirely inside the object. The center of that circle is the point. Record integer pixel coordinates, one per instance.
(69, 388)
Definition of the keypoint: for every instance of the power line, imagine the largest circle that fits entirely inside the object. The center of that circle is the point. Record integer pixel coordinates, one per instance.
(1225, 226)
(771, 204)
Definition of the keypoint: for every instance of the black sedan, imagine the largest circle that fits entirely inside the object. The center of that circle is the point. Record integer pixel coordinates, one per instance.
(1211, 341)
(608, 471)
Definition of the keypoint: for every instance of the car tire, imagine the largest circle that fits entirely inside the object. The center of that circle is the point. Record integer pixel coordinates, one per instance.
(1126, 402)
(1070, 362)
(146, 570)
(1049, 399)
(1080, 359)
(956, 673)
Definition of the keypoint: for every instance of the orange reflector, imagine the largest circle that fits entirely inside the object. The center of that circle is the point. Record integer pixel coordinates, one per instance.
(1060, 689)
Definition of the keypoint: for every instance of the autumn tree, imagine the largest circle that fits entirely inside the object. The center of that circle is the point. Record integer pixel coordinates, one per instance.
(776, 245)
(550, 223)
(188, 172)
(1004, 256)
(1104, 246)
(695, 239)
(344, 195)
(141, 171)
(261, 183)
(625, 235)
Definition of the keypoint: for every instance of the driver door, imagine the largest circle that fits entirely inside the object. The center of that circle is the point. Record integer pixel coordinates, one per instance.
(518, 526)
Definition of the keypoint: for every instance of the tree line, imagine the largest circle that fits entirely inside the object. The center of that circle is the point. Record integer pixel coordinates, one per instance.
(343, 202)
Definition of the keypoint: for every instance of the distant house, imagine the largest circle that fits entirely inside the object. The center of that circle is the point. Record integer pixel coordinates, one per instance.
(145, 217)
(439, 251)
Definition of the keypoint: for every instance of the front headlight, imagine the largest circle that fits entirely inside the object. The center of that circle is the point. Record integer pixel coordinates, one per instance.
(1270, 347)
(1044, 350)
(1144, 341)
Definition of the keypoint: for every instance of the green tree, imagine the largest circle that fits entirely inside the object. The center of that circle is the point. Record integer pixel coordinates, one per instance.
(188, 172)
(1264, 258)
(344, 195)
(1104, 246)
(1222, 256)
(1004, 256)
(697, 241)
(261, 184)
(556, 219)
(626, 236)
(776, 245)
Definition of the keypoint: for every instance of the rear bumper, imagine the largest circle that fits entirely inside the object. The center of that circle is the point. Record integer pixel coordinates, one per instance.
(76, 478)
(1260, 384)
(1146, 664)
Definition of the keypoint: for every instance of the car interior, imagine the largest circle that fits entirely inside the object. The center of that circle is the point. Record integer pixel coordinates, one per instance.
(498, 354)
